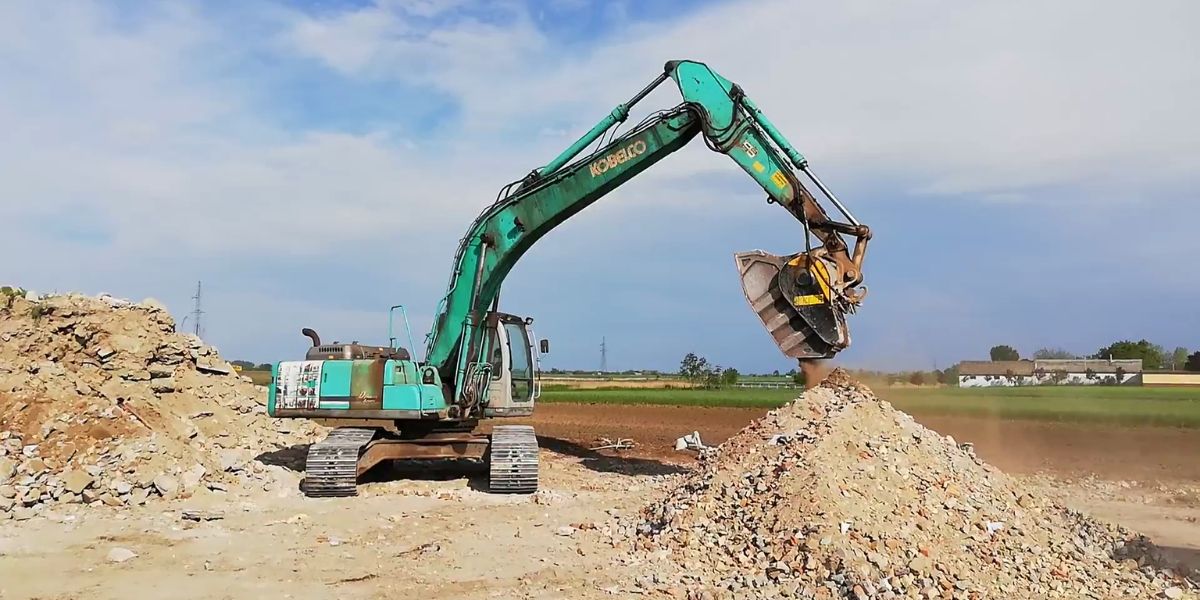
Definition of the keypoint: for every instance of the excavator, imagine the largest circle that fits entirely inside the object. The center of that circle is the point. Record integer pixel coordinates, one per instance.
(481, 363)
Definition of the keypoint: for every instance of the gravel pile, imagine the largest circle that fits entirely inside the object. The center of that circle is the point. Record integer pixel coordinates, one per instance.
(839, 495)
(101, 402)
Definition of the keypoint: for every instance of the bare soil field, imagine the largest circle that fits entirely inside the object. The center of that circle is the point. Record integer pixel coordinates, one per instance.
(1018, 447)
(435, 535)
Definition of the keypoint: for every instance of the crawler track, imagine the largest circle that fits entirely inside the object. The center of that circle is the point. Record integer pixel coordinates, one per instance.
(331, 469)
(513, 463)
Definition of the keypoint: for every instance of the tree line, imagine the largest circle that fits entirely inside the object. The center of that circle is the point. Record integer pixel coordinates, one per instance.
(1154, 357)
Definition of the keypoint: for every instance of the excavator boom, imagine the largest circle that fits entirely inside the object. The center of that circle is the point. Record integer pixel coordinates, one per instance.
(802, 299)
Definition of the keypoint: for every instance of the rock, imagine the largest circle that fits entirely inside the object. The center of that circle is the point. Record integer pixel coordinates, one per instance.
(166, 485)
(8, 491)
(127, 344)
(153, 305)
(192, 477)
(22, 513)
(7, 468)
(565, 530)
(34, 466)
(201, 515)
(160, 371)
(139, 496)
(6, 504)
(216, 367)
(120, 555)
(121, 487)
(164, 385)
(232, 460)
(135, 375)
(75, 481)
(1174, 592)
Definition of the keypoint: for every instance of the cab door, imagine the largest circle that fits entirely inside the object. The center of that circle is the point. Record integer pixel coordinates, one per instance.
(500, 388)
(521, 365)
(513, 387)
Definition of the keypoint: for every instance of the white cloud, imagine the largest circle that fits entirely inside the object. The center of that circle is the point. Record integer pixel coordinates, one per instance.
(140, 151)
(966, 99)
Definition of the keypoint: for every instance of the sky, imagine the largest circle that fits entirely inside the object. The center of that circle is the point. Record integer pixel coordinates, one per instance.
(1030, 169)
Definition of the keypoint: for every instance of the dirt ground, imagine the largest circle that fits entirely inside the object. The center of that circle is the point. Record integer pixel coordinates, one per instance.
(435, 535)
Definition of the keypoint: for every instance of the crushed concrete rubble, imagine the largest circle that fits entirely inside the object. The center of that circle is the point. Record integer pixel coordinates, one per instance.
(839, 495)
(102, 402)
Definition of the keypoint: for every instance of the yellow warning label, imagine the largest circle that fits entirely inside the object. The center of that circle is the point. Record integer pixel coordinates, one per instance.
(758, 167)
(779, 180)
(808, 300)
(821, 274)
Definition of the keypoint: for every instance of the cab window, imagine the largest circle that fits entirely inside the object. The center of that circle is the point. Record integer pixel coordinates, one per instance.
(520, 362)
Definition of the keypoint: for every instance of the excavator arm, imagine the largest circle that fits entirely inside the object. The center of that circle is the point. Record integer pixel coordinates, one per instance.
(802, 299)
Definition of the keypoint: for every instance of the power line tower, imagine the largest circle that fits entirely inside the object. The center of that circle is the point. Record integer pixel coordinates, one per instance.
(196, 311)
(603, 355)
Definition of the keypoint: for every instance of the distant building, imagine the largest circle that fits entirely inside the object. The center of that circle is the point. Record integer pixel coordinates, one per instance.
(1170, 378)
(1011, 373)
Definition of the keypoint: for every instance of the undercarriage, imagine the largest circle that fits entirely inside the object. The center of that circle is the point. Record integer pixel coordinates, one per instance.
(335, 464)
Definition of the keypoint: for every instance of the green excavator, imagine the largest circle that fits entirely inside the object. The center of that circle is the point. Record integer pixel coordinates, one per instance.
(481, 362)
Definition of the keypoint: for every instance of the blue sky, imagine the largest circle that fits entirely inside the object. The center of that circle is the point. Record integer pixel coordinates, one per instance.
(1030, 171)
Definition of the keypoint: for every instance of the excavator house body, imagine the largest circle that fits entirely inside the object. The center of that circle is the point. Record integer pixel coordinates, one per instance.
(376, 383)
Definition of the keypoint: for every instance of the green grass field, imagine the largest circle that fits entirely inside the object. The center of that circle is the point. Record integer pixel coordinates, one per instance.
(1175, 407)
(1178, 407)
(259, 377)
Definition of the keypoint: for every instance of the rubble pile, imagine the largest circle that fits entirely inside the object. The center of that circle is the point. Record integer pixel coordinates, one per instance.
(838, 495)
(101, 401)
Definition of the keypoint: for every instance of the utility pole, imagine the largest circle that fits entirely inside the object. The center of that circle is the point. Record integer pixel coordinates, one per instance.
(603, 355)
(196, 311)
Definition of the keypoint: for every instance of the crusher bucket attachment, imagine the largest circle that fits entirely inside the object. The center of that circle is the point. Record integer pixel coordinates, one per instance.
(797, 300)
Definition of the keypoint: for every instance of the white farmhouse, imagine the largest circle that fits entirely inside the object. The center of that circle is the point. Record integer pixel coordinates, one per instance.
(1011, 373)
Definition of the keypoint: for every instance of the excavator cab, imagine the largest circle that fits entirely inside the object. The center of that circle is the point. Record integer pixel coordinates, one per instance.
(513, 356)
